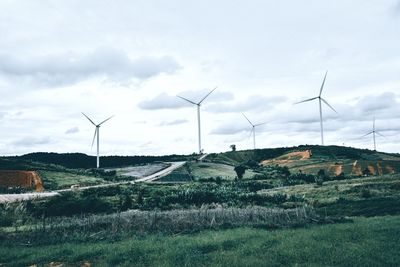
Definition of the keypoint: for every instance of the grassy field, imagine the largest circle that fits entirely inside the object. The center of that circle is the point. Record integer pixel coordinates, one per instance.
(193, 171)
(330, 191)
(60, 180)
(207, 170)
(364, 242)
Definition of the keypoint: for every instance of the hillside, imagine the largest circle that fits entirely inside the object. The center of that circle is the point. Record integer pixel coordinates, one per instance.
(310, 159)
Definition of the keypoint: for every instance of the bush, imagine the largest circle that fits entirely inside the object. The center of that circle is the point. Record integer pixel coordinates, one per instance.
(240, 170)
(300, 178)
(365, 193)
(68, 204)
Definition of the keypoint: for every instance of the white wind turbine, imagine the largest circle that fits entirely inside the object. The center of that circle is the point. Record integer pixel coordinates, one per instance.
(253, 129)
(320, 100)
(373, 132)
(198, 104)
(97, 132)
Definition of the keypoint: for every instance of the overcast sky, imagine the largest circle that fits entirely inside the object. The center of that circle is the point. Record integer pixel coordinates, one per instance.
(131, 58)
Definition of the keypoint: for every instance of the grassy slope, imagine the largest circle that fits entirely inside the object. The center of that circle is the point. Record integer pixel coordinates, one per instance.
(207, 170)
(326, 157)
(378, 186)
(63, 179)
(366, 242)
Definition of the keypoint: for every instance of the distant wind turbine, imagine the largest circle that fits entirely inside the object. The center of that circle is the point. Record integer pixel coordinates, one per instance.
(97, 132)
(320, 100)
(253, 129)
(198, 104)
(373, 132)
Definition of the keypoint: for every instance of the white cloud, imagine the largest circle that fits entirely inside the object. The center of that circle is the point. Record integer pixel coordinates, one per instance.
(69, 68)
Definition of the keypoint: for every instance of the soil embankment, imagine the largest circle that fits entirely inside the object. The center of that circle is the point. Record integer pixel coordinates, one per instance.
(24, 179)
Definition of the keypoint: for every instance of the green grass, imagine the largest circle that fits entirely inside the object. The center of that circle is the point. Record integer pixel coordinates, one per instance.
(329, 192)
(59, 180)
(366, 242)
(207, 170)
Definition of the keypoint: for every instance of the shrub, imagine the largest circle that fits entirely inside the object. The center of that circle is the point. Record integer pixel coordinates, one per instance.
(240, 170)
(365, 193)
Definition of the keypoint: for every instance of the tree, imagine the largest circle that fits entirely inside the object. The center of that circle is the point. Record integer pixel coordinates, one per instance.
(233, 147)
(240, 170)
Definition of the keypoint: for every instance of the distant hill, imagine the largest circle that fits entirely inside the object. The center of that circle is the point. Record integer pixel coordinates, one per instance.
(312, 158)
(79, 160)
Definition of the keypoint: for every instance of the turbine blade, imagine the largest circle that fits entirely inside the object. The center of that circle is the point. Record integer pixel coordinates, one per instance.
(366, 134)
(380, 134)
(88, 119)
(105, 120)
(326, 102)
(248, 119)
(323, 83)
(207, 95)
(251, 132)
(94, 136)
(259, 124)
(187, 100)
(305, 100)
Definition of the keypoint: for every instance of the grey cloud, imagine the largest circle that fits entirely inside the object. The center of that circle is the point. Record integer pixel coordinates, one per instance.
(163, 101)
(236, 128)
(230, 129)
(166, 101)
(254, 103)
(69, 68)
(32, 141)
(72, 130)
(396, 8)
(174, 122)
(377, 103)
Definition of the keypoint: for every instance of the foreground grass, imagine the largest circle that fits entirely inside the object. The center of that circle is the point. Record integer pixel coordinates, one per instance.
(366, 242)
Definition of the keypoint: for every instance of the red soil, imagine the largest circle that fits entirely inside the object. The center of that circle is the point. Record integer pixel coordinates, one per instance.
(25, 179)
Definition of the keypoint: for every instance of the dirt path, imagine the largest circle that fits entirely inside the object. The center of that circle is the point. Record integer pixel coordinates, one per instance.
(162, 173)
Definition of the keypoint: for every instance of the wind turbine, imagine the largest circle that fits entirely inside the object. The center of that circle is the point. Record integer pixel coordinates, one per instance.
(253, 129)
(373, 132)
(198, 104)
(320, 100)
(97, 132)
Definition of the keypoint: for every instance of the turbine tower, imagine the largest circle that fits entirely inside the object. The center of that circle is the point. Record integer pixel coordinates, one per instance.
(320, 100)
(373, 132)
(198, 104)
(253, 129)
(97, 133)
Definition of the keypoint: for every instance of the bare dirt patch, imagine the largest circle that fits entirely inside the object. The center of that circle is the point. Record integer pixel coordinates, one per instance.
(25, 179)
(356, 170)
(290, 157)
(338, 169)
(371, 169)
